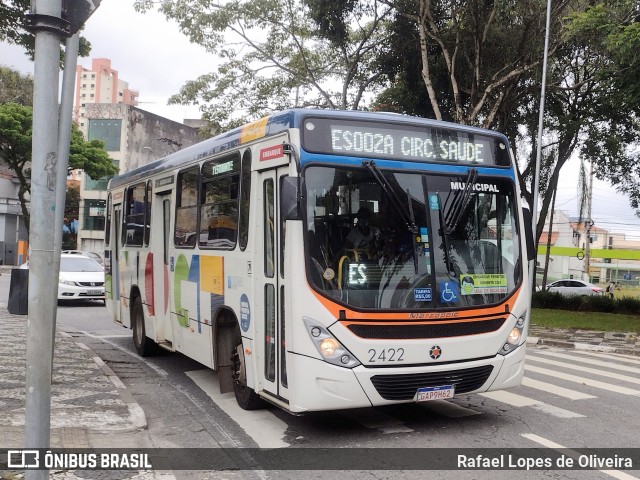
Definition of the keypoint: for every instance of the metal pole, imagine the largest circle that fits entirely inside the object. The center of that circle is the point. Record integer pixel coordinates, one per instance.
(536, 179)
(64, 135)
(64, 140)
(41, 268)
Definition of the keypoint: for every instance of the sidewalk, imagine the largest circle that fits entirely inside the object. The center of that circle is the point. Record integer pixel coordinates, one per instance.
(624, 343)
(90, 406)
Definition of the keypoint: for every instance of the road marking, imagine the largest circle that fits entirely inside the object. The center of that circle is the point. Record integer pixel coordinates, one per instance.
(594, 371)
(583, 380)
(620, 356)
(551, 388)
(600, 363)
(82, 346)
(262, 426)
(448, 409)
(573, 454)
(521, 401)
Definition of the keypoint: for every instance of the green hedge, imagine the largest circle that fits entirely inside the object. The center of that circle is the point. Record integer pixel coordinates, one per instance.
(625, 305)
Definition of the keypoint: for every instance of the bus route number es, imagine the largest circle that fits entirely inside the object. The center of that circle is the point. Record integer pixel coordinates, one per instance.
(386, 355)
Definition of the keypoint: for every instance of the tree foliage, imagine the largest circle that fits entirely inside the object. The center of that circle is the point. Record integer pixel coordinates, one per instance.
(15, 150)
(273, 56)
(15, 87)
(480, 63)
(13, 14)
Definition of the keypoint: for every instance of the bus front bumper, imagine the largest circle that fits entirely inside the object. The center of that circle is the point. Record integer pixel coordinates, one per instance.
(323, 386)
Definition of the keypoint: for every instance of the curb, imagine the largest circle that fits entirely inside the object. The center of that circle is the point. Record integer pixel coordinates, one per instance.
(582, 346)
(136, 413)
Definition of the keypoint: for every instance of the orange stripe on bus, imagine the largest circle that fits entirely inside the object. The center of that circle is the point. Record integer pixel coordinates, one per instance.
(416, 317)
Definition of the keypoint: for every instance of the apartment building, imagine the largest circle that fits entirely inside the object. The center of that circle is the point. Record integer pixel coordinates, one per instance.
(106, 110)
(100, 84)
(573, 236)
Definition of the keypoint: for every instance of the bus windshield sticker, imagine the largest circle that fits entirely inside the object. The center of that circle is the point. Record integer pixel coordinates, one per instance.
(422, 294)
(484, 283)
(424, 235)
(449, 292)
(434, 204)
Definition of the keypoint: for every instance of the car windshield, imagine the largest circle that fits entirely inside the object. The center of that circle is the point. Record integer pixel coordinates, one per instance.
(393, 240)
(79, 264)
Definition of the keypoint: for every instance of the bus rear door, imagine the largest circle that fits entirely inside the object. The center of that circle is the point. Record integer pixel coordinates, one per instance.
(160, 246)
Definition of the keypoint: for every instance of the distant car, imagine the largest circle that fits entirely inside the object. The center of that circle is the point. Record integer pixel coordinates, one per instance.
(81, 278)
(574, 287)
(91, 255)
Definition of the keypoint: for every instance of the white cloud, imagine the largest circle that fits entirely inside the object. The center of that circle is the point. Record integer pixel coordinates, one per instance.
(148, 52)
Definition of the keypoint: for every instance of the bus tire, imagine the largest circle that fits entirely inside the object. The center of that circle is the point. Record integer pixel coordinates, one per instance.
(144, 345)
(245, 396)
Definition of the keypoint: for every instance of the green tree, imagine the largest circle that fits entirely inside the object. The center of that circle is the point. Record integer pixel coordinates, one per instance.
(15, 87)
(12, 27)
(15, 150)
(274, 56)
(480, 63)
(71, 215)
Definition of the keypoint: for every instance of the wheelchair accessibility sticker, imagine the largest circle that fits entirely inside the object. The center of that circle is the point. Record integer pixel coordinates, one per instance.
(449, 292)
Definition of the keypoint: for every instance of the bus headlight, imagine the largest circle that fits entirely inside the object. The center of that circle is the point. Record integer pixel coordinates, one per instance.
(329, 348)
(514, 337)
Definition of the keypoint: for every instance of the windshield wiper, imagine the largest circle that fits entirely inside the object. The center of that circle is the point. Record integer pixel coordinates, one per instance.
(460, 202)
(407, 217)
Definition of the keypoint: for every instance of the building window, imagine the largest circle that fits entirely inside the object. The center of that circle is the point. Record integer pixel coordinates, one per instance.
(93, 218)
(107, 130)
(99, 184)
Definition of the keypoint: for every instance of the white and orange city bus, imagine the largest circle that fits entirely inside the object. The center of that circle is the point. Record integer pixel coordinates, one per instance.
(235, 252)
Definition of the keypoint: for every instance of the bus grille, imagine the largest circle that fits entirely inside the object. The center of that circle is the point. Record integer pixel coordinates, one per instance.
(426, 330)
(404, 387)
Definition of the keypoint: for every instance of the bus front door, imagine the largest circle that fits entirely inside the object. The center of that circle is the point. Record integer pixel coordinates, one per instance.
(269, 269)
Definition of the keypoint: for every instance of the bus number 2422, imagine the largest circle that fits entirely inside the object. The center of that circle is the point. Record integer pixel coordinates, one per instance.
(386, 355)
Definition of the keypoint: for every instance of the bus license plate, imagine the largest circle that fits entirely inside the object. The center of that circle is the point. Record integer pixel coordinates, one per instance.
(442, 392)
(94, 292)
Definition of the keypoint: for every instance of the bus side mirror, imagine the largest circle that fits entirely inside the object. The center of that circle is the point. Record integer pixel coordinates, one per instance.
(528, 233)
(290, 198)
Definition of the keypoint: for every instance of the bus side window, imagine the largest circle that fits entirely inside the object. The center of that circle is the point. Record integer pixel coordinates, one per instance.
(186, 224)
(245, 195)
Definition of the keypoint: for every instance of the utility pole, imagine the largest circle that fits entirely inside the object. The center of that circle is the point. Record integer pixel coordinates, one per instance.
(588, 226)
(46, 21)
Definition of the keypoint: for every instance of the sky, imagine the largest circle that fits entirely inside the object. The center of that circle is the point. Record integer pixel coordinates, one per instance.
(156, 59)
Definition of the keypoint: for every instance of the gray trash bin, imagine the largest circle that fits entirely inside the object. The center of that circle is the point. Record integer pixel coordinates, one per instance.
(18, 303)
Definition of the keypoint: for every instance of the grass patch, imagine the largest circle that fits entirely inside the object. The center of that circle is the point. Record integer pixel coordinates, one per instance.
(608, 322)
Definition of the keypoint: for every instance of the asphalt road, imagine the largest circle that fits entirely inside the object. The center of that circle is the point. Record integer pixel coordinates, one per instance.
(568, 399)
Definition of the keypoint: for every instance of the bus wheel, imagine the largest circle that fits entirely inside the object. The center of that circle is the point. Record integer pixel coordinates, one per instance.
(245, 396)
(144, 345)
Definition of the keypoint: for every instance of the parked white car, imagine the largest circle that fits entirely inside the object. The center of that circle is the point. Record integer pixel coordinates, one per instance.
(574, 287)
(81, 278)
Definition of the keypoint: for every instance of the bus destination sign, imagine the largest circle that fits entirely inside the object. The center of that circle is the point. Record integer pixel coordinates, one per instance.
(403, 142)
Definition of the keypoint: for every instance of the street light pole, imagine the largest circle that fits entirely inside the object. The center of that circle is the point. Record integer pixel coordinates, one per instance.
(45, 20)
(47, 23)
(536, 179)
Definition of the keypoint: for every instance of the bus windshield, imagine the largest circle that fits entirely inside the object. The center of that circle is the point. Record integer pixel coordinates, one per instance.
(383, 239)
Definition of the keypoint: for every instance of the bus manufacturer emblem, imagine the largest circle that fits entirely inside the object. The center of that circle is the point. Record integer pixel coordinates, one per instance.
(435, 352)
